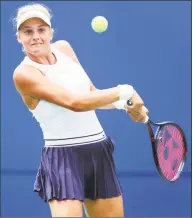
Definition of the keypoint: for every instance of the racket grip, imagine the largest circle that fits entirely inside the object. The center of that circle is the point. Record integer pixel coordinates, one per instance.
(146, 118)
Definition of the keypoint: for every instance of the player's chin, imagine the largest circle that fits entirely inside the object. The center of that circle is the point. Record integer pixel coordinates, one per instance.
(36, 51)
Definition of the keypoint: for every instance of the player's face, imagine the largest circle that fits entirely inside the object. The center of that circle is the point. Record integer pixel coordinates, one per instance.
(35, 36)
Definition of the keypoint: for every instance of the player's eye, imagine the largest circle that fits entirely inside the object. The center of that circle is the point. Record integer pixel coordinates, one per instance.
(41, 30)
(28, 32)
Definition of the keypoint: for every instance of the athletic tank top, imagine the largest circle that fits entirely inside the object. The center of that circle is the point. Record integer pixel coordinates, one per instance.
(61, 126)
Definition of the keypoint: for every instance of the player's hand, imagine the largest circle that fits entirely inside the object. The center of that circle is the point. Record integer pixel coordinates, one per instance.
(136, 101)
(139, 115)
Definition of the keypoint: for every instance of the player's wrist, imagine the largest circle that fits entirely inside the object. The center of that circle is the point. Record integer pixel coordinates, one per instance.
(120, 105)
(125, 92)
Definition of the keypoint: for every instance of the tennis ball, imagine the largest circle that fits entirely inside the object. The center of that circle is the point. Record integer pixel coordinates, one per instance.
(99, 24)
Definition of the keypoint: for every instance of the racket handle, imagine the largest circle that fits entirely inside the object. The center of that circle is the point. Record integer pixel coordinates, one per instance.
(146, 118)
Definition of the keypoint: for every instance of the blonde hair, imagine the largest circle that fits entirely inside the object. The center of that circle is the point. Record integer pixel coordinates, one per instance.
(29, 7)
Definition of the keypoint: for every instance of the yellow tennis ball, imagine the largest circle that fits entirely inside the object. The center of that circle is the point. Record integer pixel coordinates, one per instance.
(99, 24)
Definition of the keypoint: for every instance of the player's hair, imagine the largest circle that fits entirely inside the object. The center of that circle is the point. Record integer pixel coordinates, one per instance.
(30, 7)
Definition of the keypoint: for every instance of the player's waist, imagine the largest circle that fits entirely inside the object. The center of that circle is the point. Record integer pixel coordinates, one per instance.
(76, 140)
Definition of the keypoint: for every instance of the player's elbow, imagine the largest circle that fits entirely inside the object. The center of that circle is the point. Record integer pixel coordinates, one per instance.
(78, 105)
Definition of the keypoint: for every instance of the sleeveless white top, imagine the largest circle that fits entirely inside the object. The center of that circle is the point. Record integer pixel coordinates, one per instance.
(61, 126)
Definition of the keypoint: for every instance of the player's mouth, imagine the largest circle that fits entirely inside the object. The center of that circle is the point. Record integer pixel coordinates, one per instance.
(36, 44)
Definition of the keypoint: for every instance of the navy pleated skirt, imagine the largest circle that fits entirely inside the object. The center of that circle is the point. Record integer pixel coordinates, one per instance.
(78, 172)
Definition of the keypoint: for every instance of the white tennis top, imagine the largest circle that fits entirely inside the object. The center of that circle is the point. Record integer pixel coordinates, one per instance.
(61, 126)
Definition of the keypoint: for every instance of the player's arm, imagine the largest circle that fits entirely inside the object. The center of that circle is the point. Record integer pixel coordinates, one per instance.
(29, 81)
(108, 106)
(66, 48)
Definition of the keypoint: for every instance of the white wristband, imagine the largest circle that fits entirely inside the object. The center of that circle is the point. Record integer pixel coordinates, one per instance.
(126, 92)
(120, 105)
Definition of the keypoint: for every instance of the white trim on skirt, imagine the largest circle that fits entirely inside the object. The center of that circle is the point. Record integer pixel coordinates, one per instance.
(75, 141)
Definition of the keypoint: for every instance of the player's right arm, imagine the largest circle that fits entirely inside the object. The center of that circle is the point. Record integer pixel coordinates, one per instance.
(29, 81)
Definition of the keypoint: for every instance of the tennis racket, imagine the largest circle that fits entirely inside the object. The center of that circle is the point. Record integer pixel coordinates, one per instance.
(169, 148)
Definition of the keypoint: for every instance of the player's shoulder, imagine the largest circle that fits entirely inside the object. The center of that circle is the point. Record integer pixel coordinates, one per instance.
(23, 72)
(65, 48)
(23, 69)
(62, 45)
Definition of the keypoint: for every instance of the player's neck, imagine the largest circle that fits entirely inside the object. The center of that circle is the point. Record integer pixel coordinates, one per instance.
(47, 59)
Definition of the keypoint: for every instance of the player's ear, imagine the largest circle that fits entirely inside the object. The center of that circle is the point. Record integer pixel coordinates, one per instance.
(18, 38)
(52, 34)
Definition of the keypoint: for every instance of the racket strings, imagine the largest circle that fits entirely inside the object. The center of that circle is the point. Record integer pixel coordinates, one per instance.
(170, 151)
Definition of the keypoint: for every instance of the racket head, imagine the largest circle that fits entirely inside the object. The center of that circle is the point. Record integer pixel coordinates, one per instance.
(169, 149)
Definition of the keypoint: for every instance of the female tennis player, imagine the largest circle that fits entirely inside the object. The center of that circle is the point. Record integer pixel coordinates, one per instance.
(77, 166)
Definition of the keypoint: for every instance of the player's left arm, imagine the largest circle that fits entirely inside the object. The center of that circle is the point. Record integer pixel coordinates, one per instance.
(64, 47)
